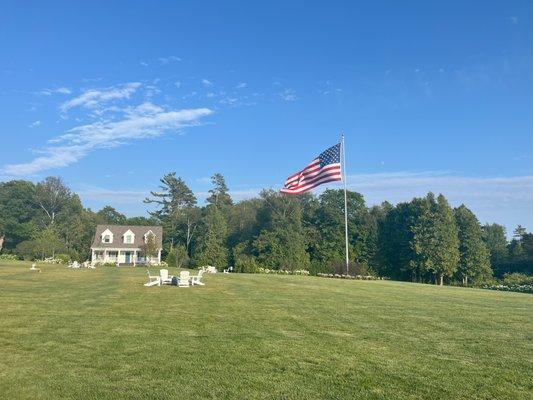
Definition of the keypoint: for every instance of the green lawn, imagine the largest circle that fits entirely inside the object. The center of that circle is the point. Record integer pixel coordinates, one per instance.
(99, 334)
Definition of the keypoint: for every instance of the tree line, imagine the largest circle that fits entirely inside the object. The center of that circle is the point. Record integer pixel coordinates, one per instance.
(424, 240)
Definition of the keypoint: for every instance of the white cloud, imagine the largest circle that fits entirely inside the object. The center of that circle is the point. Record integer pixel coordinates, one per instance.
(207, 82)
(60, 90)
(241, 85)
(34, 124)
(144, 121)
(143, 63)
(177, 84)
(94, 98)
(167, 60)
(111, 196)
(288, 95)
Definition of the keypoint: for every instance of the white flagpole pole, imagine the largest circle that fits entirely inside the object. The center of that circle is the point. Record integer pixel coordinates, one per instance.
(345, 203)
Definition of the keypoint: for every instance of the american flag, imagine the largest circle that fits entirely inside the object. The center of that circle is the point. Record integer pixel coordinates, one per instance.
(325, 168)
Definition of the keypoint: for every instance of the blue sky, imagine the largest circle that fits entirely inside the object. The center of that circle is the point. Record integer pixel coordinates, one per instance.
(430, 95)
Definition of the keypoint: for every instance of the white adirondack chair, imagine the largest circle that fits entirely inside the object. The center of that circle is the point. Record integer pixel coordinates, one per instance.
(166, 279)
(153, 280)
(184, 278)
(197, 279)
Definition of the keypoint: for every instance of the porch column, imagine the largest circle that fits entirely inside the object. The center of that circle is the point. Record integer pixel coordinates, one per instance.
(92, 256)
(105, 256)
(134, 257)
(159, 257)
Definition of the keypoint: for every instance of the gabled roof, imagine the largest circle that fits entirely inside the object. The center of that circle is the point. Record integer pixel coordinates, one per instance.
(118, 232)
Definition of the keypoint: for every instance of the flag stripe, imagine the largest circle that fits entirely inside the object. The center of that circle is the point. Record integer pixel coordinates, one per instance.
(325, 168)
(307, 188)
(310, 178)
(313, 164)
(303, 175)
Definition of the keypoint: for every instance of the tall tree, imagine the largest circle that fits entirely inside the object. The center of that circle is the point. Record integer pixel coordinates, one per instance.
(212, 248)
(495, 239)
(474, 261)
(396, 241)
(328, 248)
(519, 232)
(175, 201)
(17, 212)
(51, 195)
(435, 240)
(281, 243)
(108, 215)
(219, 194)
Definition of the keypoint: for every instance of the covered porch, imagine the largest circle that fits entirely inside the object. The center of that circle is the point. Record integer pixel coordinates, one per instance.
(123, 257)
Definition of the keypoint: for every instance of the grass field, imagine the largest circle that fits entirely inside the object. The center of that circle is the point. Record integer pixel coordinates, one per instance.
(101, 335)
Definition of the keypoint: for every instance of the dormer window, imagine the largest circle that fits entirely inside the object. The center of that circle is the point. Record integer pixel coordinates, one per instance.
(107, 236)
(128, 237)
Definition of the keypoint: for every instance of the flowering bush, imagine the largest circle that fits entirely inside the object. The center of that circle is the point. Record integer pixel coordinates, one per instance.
(510, 288)
(262, 270)
(51, 260)
(8, 257)
(344, 276)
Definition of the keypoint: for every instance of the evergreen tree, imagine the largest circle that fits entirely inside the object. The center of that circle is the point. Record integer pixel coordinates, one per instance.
(211, 249)
(496, 242)
(281, 244)
(219, 194)
(176, 204)
(395, 241)
(519, 232)
(327, 224)
(474, 257)
(435, 240)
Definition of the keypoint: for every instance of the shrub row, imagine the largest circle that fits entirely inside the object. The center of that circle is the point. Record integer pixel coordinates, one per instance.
(344, 276)
(262, 270)
(510, 288)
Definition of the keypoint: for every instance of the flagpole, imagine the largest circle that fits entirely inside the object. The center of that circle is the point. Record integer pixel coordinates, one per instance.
(345, 204)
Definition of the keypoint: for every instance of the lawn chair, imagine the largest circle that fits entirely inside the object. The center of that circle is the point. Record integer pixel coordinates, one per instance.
(166, 279)
(153, 280)
(197, 280)
(184, 278)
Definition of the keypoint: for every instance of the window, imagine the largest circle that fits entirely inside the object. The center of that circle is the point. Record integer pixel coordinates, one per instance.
(128, 239)
(107, 236)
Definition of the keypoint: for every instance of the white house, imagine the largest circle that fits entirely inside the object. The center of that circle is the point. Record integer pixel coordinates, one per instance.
(124, 244)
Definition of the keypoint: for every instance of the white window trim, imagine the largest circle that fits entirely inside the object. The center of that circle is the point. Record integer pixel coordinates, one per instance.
(105, 233)
(128, 233)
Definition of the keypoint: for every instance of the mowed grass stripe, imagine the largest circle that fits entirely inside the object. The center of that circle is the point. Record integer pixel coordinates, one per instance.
(101, 334)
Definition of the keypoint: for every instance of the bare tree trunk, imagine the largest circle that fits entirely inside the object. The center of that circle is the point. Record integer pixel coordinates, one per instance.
(441, 279)
(190, 233)
(466, 280)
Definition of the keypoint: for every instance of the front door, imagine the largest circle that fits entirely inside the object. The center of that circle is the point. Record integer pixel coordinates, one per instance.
(127, 256)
